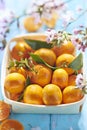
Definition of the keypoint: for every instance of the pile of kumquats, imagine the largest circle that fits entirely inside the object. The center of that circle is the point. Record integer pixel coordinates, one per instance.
(39, 73)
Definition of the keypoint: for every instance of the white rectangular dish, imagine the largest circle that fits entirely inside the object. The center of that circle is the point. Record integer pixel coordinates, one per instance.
(19, 107)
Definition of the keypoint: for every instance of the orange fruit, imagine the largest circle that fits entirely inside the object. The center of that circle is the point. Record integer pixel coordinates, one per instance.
(20, 70)
(72, 94)
(51, 22)
(33, 94)
(14, 96)
(4, 110)
(65, 59)
(71, 80)
(20, 50)
(11, 124)
(14, 83)
(26, 73)
(41, 75)
(47, 55)
(30, 25)
(64, 48)
(52, 95)
(60, 78)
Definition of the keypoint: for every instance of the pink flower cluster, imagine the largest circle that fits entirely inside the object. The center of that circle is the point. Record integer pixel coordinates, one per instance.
(79, 81)
(6, 17)
(57, 38)
(51, 35)
(44, 9)
(80, 39)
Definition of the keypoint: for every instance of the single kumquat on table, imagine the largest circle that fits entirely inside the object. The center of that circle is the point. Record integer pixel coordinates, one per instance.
(5, 110)
(11, 124)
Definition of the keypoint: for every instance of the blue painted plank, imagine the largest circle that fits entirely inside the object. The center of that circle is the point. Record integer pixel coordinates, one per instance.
(31, 121)
(65, 122)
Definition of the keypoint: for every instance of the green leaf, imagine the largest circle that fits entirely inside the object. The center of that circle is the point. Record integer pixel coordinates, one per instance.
(27, 81)
(38, 59)
(26, 84)
(36, 44)
(11, 64)
(84, 89)
(20, 97)
(77, 63)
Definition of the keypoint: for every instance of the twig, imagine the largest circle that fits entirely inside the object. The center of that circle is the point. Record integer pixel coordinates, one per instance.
(75, 19)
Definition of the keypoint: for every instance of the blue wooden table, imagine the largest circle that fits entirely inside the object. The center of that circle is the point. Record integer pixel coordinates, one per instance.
(47, 121)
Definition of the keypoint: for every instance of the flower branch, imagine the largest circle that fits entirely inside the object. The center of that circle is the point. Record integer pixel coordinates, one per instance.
(40, 10)
(74, 20)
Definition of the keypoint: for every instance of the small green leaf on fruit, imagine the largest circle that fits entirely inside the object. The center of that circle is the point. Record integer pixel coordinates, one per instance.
(77, 63)
(28, 82)
(38, 59)
(36, 44)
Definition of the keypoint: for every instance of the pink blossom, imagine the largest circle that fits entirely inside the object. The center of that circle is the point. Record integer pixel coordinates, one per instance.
(74, 41)
(79, 45)
(82, 47)
(6, 17)
(51, 35)
(67, 18)
(36, 128)
(71, 128)
(79, 8)
(2, 4)
(37, 18)
(79, 81)
(80, 39)
(77, 31)
(2, 34)
(45, 9)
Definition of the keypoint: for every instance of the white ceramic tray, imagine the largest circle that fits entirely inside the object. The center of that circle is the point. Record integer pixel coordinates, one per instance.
(18, 107)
